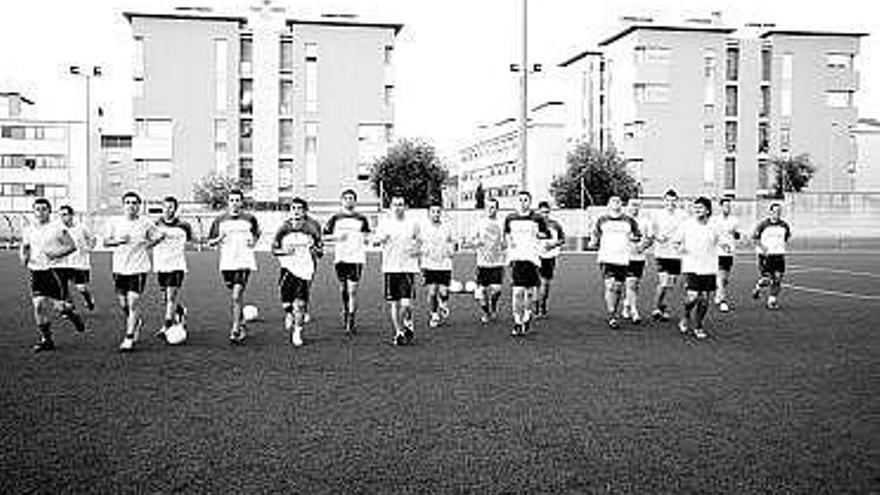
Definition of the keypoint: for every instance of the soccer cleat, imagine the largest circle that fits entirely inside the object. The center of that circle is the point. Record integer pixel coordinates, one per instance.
(613, 323)
(444, 311)
(682, 325)
(657, 315)
(434, 321)
(307, 318)
(718, 299)
(484, 319)
(772, 303)
(399, 340)
(288, 322)
(160, 333)
(634, 316)
(409, 335)
(756, 293)
(723, 307)
(236, 337)
(296, 337)
(700, 334)
(516, 332)
(127, 344)
(44, 345)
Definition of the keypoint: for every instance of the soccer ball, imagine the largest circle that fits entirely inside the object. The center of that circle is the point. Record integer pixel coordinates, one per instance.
(175, 335)
(250, 312)
(470, 286)
(455, 286)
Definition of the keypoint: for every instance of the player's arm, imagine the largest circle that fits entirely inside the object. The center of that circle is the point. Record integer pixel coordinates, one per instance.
(215, 237)
(90, 238)
(560, 236)
(277, 240)
(255, 231)
(329, 232)
(154, 236)
(65, 246)
(756, 237)
(596, 235)
(24, 251)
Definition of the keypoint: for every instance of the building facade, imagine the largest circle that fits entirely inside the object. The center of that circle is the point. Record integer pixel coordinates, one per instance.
(703, 107)
(291, 107)
(866, 172)
(40, 158)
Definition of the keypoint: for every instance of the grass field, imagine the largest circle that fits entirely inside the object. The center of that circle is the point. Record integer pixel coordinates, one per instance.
(773, 402)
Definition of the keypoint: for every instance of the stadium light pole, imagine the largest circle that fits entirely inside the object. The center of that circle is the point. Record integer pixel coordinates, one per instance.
(88, 73)
(524, 69)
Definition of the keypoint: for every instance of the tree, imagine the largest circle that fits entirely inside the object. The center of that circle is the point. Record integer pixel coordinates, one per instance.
(592, 177)
(212, 189)
(792, 174)
(410, 169)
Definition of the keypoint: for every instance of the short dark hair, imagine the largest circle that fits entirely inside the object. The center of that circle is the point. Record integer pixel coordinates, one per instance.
(43, 201)
(671, 193)
(725, 199)
(544, 204)
(171, 199)
(493, 200)
(775, 204)
(525, 193)
(349, 191)
(235, 192)
(132, 194)
(300, 201)
(706, 202)
(67, 208)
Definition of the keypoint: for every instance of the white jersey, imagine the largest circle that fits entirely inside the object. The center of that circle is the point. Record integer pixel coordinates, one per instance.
(614, 235)
(489, 235)
(556, 235)
(400, 247)
(773, 235)
(299, 241)
(437, 246)
(699, 241)
(727, 227)
(353, 228)
(525, 234)
(665, 230)
(40, 238)
(132, 257)
(644, 225)
(169, 255)
(240, 233)
(82, 239)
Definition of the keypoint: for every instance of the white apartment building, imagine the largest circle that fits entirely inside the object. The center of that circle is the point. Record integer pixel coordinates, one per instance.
(290, 106)
(40, 158)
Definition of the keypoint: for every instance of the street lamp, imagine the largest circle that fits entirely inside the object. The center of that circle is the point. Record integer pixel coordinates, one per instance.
(524, 69)
(88, 72)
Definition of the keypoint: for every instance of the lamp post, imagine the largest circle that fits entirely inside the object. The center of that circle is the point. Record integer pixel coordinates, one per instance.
(524, 69)
(88, 72)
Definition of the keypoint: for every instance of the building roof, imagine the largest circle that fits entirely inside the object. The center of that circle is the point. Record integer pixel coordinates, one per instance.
(20, 96)
(579, 56)
(782, 32)
(343, 23)
(181, 15)
(208, 16)
(659, 27)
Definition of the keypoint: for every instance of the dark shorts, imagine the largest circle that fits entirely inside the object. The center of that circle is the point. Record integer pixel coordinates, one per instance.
(635, 268)
(524, 274)
(292, 287)
(437, 277)
(490, 275)
(48, 283)
(129, 283)
(349, 271)
(548, 267)
(399, 286)
(672, 266)
(613, 271)
(770, 264)
(76, 276)
(725, 263)
(170, 279)
(699, 283)
(235, 277)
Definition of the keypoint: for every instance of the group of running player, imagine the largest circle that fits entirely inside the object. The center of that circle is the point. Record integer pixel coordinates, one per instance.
(699, 245)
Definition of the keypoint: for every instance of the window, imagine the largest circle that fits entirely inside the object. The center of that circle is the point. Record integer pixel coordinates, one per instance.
(651, 93)
(246, 97)
(371, 146)
(311, 77)
(246, 173)
(839, 60)
(765, 102)
(732, 68)
(245, 141)
(158, 168)
(388, 55)
(709, 63)
(785, 101)
(785, 139)
(153, 128)
(246, 54)
(221, 160)
(285, 136)
(766, 63)
(221, 89)
(763, 174)
(286, 55)
(138, 58)
(730, 173)
(731, 98)
(138, 88)
(731, 131)
(708, 167)
(652, 55)
(763, 137)
(838, 99)
(708, 136)
(311, 146)
(12, 132)
(285, 100)
(787, 66)
(221, 152)
(221, 132)
(285, 175)
(389, 95)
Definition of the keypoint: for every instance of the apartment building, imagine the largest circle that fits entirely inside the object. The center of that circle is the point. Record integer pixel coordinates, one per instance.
(703, 107)
(40, 158)
(290, 106)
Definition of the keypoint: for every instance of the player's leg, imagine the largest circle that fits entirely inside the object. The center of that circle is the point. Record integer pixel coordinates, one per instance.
(433, 303)
(660, 291)
(443, 295)
(699, 312)
(236, 295)
(300, 293)
(764, 276)
(407, 319)
(171, 305)
(44, 324)
(611, 300)
(81, 281)
(690, 303)
(61, 300)
(133, 316)
(482, 295)
(631, 299)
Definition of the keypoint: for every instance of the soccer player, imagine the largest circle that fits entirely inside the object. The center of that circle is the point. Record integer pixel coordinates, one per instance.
(295, 244)
(727, 225)
(236, 233)
(552, 247)
(131, 238)
(319, 253)
(348, 229)
(698, 239)
(43, 244)
(524, 232)
(76, 267)
(636, 266)
(438, 250)
(399, 237)
(488, 240)
(665, 227)
(613, 234)
(169, 262)
(771, 237)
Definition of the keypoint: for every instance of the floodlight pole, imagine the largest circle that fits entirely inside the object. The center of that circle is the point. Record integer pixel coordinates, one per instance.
(524, 100)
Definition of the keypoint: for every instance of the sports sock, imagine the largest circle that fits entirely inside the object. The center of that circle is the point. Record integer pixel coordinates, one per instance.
(45, 330)
(168, 323)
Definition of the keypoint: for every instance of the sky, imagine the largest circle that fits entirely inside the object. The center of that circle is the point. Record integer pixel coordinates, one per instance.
(451, 59)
